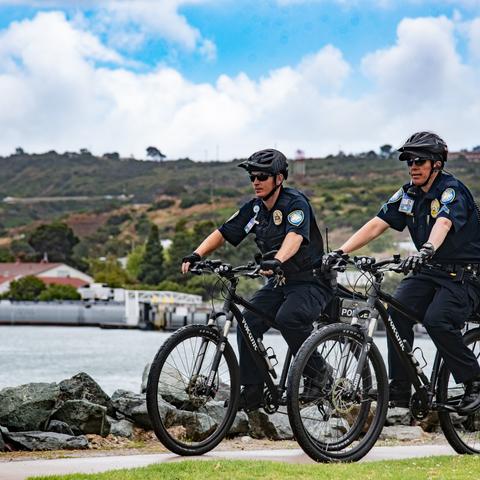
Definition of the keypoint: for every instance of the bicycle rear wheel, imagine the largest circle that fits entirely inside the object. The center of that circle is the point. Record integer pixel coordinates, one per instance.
(188, 417)
(343, 423)
(461, 431)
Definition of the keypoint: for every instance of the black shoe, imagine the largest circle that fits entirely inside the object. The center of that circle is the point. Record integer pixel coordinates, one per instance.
(251, 397)
(399, 392)
(316, 388)
(471, 398)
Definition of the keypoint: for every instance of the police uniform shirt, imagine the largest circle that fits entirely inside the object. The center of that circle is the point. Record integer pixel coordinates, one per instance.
(291, 213)
(447, 198)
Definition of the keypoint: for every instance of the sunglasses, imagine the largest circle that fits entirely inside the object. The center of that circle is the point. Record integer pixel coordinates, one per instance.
(261, 177)
(418, 161)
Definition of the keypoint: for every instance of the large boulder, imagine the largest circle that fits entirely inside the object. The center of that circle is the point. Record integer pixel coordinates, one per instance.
(57, 426)
(121, 428)
(46, 441)
(2, 442)
(146, 371)
(192, 425)
(84, 387)
(401, 432)
(83, 417)
(27, 407)
(217, 411)
(398, 416)
(274, 427)
(133, 406)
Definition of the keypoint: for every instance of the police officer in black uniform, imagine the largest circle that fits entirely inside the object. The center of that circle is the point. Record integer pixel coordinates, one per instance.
(443, 220)
(281, 219)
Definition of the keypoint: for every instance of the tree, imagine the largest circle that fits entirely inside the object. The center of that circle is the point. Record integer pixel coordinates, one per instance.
(183, 243)
(151, 269)
(56, 240)
(6, 255)
(26, 288)
(23, 251)
(385, 150)
(59, 292)
(109, 272)
(134, 260)
(19, 151)
(155, 153)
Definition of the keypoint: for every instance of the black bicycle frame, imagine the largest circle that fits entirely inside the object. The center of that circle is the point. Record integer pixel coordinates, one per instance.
(254, 345)
(403, 349)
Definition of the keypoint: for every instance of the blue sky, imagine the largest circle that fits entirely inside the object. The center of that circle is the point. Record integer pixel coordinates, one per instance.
(233, 76)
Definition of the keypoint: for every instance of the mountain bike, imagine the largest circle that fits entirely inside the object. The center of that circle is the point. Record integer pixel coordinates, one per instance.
(344, 423)
(196, 373)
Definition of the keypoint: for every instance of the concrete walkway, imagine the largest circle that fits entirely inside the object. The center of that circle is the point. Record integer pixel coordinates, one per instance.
(19, 470)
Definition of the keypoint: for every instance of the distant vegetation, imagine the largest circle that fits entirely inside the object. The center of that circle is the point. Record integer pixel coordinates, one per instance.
(124, 198)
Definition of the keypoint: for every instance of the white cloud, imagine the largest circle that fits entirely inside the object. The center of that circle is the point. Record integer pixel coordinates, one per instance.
(129, 22)
(473, 30)
(63, 89)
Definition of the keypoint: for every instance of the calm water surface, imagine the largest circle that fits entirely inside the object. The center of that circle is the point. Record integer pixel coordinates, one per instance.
(114, 358)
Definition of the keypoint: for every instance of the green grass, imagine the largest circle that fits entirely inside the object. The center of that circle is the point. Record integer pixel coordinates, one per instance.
(445, 467)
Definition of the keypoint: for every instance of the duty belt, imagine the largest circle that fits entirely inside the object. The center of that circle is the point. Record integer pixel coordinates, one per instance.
(457, 269)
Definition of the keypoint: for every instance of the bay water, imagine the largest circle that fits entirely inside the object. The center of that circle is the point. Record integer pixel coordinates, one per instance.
(114, 358)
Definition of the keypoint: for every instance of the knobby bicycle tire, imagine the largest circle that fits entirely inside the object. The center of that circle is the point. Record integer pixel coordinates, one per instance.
(461, 431)
(186, 417)
(315, 426)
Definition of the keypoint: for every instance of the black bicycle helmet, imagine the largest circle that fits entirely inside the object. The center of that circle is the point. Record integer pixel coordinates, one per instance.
(268, 161)
(424, 144)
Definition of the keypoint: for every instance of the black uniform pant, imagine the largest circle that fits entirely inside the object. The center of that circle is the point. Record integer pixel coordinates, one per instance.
(445, 305)
(295, 307)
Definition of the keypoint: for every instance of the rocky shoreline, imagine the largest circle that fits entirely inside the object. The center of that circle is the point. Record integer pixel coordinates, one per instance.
(76, 414)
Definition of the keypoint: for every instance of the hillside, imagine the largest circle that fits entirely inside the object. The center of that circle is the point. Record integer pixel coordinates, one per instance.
(345, 190)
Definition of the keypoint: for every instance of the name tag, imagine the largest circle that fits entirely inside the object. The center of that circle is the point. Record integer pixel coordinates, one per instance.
(406, 205)
(250, 224)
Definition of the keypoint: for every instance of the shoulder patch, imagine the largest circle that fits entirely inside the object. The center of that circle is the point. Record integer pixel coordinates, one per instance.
(296, 217)
(447, 196)
(396, 196)
(233, 216)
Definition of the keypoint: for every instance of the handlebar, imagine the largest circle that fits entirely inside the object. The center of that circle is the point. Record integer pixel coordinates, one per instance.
(225, 269)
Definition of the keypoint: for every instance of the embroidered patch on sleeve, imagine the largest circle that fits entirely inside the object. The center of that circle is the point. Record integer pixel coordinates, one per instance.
(448, 196)
(396, 196)
(296, 217)
(233, 216)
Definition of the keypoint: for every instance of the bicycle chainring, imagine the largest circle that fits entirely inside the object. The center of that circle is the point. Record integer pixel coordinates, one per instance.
(419, 405)
(268, 403)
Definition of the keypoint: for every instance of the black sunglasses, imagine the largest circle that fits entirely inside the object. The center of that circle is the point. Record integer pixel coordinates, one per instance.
(418, 161)
(261, 177)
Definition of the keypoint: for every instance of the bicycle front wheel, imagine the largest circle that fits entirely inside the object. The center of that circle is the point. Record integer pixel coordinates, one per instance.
(461, 431)
(345, 420)
(188, 416)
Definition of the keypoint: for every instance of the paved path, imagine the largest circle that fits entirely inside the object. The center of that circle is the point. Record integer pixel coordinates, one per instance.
(19, 470)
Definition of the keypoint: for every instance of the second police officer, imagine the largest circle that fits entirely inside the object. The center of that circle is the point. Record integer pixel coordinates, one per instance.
(443, 220)
(282, 219)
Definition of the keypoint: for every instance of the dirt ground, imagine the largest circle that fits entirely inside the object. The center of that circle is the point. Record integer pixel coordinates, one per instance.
(146, 442)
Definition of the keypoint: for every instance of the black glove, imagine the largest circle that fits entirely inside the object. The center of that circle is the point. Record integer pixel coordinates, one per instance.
(275, 265)
(333, 258)
(414, 262)
(193, 258)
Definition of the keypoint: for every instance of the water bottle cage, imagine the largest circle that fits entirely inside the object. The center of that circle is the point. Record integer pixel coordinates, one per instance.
(271, 356)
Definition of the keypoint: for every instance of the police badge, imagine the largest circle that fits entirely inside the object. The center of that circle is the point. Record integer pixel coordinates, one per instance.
(434, 208)
(277, 217)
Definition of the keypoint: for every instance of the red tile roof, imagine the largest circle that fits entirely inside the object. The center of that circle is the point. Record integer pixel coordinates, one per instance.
(20, 269)
(74, 282)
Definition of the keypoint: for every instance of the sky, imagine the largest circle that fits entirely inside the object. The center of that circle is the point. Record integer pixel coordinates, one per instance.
(220, 79)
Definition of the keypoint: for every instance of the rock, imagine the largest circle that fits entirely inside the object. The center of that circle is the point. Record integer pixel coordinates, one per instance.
(146, 371)
(398, 416)
(2, 443)
(196, 426)
(83, 417)
(121, 428)
(274, 427)
(401, 432)
(246, 439)
(173, 389)
(84, 387)
(27, 407)
(59, 427)
(133, 406)
(217, 411)
(431, 423)
(47, 441)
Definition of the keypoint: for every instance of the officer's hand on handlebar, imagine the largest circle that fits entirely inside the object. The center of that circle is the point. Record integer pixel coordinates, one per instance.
(333, 259)
(414, 262)
(269, 267)
(189, 261)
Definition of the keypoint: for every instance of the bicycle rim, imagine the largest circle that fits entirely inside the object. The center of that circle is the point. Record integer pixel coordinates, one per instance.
(461, 431)
(188, 416)
(342, 424)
